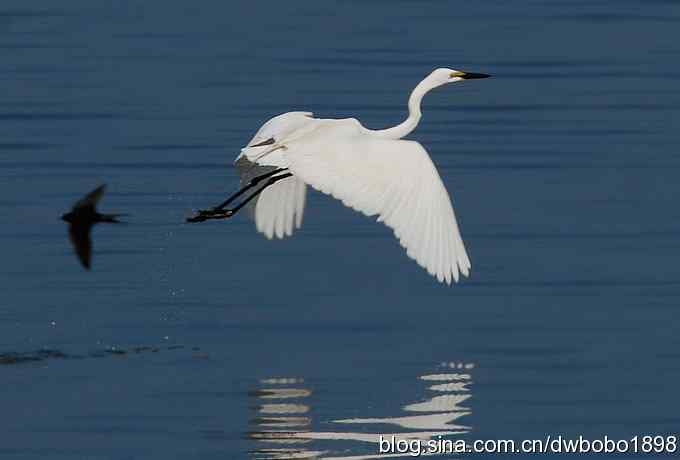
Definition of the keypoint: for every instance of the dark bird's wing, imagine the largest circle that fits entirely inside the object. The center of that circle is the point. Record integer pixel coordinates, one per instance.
(91, 199)
(79, 233)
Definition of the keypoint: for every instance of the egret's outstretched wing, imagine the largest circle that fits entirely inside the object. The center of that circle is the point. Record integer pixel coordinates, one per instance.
(259, 149)
(278, 209)
(394, 179)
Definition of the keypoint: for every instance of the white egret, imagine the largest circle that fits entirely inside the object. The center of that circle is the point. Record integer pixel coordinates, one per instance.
(371, 171)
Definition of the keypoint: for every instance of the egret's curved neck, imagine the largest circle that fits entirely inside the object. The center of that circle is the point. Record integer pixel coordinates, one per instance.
(414, 113)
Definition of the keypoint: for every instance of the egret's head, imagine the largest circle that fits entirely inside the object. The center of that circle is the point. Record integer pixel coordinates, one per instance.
(443, 76)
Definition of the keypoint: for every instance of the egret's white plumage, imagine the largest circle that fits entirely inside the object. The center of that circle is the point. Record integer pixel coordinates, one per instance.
(278, 209)
(371, 171)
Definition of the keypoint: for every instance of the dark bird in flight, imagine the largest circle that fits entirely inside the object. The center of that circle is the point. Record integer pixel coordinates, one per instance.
(81, 219)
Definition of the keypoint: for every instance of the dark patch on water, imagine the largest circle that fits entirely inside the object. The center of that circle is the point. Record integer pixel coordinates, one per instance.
(26, 357)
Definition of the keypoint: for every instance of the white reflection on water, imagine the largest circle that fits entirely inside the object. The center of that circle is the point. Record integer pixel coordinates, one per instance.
(282, 427)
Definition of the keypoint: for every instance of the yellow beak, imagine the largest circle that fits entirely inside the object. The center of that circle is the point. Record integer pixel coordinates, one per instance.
(469, 75)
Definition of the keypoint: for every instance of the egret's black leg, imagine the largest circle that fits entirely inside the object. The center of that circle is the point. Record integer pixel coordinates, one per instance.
(252, 183)
(220, 213)
(270, 181)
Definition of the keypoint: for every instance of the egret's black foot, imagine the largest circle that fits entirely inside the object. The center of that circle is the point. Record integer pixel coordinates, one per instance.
(206, 214)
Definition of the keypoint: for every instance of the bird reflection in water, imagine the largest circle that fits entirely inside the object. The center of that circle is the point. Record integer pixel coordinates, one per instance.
(282, 426)
(282, 419)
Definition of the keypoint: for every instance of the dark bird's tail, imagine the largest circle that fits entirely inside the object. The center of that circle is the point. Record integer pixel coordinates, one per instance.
(110, 218)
